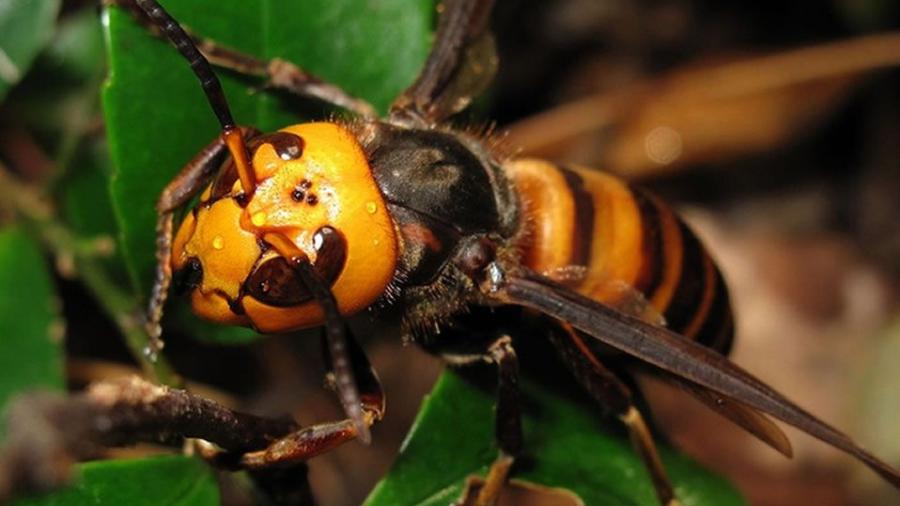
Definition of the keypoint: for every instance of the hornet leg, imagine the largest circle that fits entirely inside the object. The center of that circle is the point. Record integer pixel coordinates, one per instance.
(461, 64)
(508, 421)
(603, 385)
(310, 441)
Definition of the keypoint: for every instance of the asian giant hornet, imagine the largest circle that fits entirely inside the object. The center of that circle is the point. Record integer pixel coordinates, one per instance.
(305, 226)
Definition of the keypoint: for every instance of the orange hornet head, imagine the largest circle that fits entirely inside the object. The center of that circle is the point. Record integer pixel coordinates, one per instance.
(314, 187)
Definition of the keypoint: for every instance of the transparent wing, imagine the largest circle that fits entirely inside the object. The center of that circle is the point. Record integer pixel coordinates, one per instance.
(672, 353)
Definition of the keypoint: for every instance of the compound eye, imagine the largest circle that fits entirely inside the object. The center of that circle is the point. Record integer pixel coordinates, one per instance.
(475, 256)
(277, 284)
(331, 253)
(287, 146)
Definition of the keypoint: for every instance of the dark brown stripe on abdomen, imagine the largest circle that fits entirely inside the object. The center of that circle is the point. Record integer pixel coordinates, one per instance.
(583, 236)
(717, 330)
(653, 252)
(688, 297)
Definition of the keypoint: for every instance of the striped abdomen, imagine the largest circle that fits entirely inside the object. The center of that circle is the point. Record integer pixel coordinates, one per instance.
(635, 253)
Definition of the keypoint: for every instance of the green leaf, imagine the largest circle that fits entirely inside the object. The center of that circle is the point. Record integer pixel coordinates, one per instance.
(60, 94)
(25, 26)
(84, 199)
(169, 480)
(30, 354)
(157, 117)
(452, 438)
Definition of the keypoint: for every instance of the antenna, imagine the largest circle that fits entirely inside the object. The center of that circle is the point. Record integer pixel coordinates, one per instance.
(211, 87)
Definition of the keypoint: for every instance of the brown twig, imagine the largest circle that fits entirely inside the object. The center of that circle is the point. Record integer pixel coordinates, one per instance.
(48, 433)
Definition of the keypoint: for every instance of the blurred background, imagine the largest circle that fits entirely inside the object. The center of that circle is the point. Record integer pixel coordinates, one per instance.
(773, 126)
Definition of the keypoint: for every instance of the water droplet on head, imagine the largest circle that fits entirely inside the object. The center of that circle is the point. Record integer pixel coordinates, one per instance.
(259, 218)
(218, 242)
(371, 207)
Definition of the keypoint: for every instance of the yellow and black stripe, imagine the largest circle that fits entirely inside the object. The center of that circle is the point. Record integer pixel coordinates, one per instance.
(633, 248)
